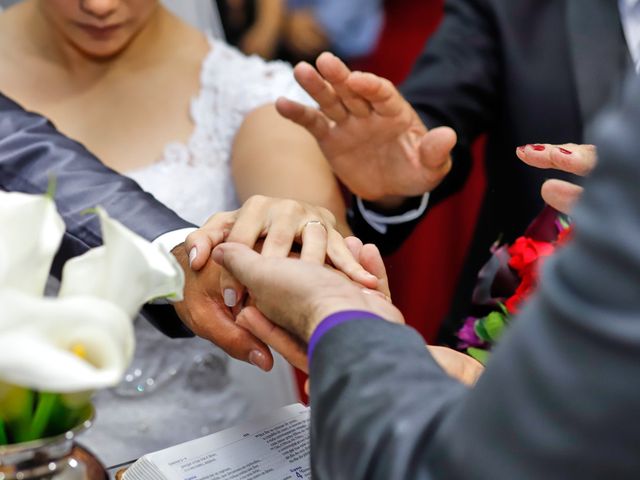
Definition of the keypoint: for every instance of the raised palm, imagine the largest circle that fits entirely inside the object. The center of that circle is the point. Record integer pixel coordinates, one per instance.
(374, 140)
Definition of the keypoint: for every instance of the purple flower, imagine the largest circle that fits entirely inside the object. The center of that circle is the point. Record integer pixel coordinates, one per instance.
(467, 335)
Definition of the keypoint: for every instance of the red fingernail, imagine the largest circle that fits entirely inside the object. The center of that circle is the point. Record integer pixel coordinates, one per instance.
(565, 151)
(538, 148)
(521, 148)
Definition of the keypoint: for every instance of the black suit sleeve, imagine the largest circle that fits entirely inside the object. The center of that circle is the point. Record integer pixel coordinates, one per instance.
(558, 396)
(32, 152)
(455, 83)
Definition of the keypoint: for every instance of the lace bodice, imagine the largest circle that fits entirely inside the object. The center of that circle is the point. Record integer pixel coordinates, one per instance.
(194, 179)
(180, 389)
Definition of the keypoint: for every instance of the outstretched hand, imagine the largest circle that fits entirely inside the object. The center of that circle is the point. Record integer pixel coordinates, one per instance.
(571, 158)
(373, 139)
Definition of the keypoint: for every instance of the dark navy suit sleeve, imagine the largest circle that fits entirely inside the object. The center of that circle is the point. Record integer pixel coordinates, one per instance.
(32, 152)
(560, 392)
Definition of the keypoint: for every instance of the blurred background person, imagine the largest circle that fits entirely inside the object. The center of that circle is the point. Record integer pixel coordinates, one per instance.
(296, 30)
(180, 113)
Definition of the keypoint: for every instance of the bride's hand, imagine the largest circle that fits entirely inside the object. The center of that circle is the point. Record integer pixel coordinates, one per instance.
(281, 222)
(571, 158)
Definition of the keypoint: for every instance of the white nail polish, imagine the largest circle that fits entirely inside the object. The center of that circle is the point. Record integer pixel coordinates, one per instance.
(230, 297)
(193, 253)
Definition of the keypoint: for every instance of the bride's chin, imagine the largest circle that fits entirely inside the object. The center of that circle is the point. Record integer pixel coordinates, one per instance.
(102, 50)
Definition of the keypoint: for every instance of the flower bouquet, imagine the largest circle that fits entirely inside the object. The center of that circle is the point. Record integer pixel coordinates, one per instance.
(54, 352)
(508, 279)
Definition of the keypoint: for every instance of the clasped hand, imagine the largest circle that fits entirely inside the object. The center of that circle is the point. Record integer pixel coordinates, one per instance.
(213, 297)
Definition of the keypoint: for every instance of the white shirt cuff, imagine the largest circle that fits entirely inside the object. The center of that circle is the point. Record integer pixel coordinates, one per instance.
(380, 222)
(167, 241)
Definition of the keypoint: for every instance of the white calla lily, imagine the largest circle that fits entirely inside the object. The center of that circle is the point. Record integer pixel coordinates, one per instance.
(63, 345)
(30, 236)
(83, 340)
(127, 270)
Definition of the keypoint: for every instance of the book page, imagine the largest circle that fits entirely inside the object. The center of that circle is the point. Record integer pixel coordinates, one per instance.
(276, 447)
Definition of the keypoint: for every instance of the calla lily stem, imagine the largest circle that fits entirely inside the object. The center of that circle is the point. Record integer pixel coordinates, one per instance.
(3, 434)
(42, 415)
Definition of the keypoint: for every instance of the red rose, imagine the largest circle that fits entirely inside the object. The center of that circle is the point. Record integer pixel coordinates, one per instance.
(525, 252)
(526, 287)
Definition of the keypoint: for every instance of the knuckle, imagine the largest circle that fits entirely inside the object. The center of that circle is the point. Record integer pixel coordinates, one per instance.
(255, 201)
(279, 238)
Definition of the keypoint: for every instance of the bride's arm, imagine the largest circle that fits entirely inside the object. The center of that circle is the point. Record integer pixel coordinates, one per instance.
(274, 157)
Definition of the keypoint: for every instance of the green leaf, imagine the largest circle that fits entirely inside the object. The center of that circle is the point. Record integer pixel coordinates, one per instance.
(480, 355)
(481, 331)
(494, 325)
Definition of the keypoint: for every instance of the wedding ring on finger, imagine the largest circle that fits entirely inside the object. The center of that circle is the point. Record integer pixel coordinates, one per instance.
(314, 222)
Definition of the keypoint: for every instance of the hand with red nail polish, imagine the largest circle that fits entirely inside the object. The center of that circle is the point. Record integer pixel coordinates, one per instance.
(571, 158)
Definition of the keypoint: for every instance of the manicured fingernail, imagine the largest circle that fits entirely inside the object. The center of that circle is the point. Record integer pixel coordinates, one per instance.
(538, 148)
(230, 297)
(258, 359)
(521, 148)
(193, 253)
(565, 151)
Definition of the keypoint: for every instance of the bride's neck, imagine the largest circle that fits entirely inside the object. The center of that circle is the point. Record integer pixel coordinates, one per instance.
(144, 47)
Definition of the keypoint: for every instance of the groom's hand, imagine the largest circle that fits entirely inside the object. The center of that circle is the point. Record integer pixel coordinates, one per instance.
(204, 312)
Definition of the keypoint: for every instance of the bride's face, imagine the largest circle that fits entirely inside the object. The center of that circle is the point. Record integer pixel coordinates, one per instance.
(99, 28)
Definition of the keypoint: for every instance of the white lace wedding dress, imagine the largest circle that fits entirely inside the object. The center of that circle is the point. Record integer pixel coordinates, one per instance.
(177, 390)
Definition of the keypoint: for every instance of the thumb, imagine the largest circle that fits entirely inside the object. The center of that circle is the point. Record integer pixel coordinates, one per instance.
(435, 149)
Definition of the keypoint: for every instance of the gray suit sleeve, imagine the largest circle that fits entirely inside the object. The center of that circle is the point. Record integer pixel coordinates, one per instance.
(559, 398)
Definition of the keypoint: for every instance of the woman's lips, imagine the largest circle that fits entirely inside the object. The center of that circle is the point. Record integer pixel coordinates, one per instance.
(101, 32)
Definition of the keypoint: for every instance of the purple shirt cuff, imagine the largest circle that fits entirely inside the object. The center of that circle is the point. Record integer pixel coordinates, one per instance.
(333, 321)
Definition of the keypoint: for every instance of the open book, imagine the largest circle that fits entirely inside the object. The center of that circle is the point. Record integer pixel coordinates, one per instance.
(275, 447)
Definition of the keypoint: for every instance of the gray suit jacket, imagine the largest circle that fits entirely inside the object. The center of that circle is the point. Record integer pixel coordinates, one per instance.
(32, 151)
(560, 397)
